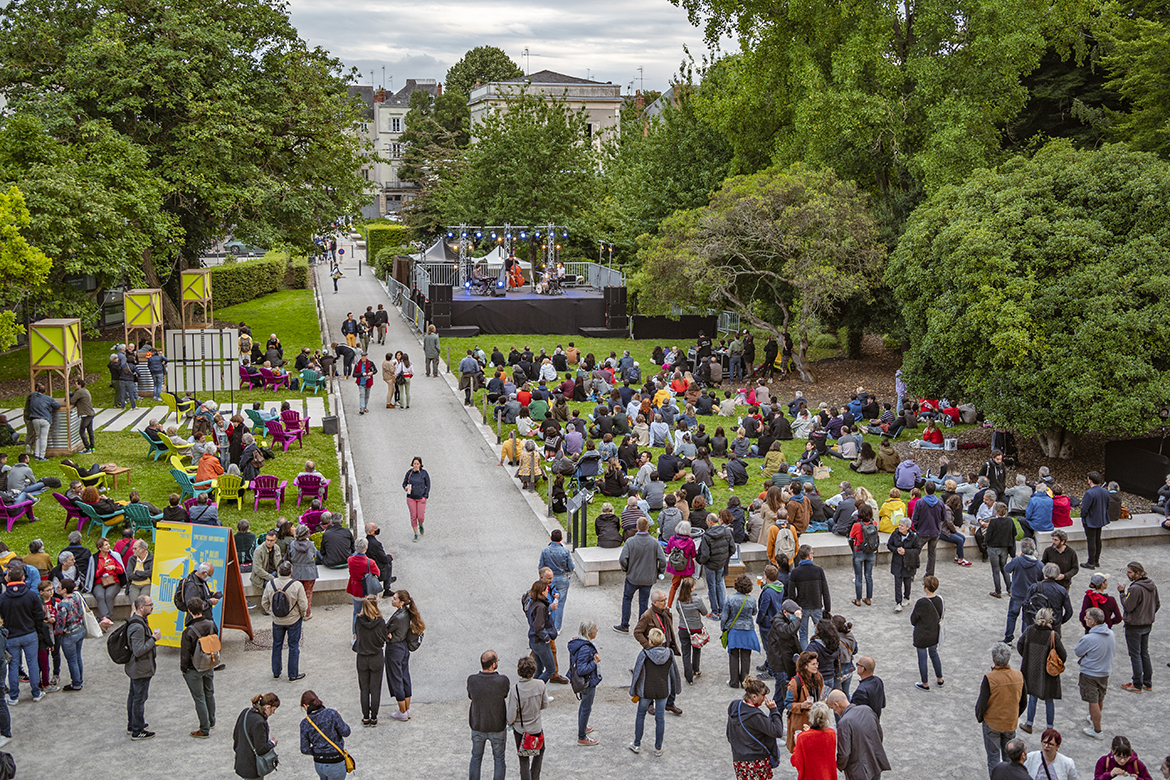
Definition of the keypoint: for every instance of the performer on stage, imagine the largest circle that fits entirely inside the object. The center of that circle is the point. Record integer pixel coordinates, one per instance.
(512, 271)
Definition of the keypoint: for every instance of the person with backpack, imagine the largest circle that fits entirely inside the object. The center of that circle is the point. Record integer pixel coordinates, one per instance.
(905, 553)
(1041, 675)
(767, 605)
(285, 599)
(655, 682)
(864, 540)
(584, 676)
(1048, 593)
(198, 657)
(680, 558)
(195, 587)
(406, 631)
(1024, 571)
(138, 643)
(302, 554)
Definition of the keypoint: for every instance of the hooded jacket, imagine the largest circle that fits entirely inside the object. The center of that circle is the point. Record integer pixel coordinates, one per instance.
(655, 674)
(928, 516)
(1025, 571)
(22, 609)
(1138, 603)
(906, 475)
(715, 548)
(887, 459)
(582, 651)
(752, 734)
(799, 512)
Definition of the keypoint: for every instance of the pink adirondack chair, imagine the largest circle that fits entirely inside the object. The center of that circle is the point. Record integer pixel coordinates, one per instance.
(294, 422)
(283, 437)
(312, 519)
(13, 512)
(267, 487)
(272, 381)
(311, 487)
(71, 512)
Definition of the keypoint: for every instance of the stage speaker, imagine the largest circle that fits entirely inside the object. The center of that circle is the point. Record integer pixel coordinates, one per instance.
(615, 307)
(441, 321)
(441, 293)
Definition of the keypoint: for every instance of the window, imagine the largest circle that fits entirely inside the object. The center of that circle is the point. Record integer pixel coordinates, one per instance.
(395, 150)
(396, 125)
(589, 130)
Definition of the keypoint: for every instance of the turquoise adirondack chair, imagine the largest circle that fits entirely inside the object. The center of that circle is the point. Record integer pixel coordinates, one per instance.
(141, 519)
(191, 488)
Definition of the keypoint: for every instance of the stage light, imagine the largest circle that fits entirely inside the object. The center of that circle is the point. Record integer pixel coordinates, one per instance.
(479, 234)
(523, 235)
(493, 234)
(565, 234)
(538, 234)
(509, 236)
(465, 234)
(558, 246)
(467, 285)
(500, 284)
(450, 234)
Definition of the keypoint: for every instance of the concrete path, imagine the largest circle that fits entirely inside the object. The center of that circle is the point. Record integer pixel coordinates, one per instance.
(467, 573)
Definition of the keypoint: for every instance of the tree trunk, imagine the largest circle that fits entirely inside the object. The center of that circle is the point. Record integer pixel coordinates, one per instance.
(800, 356)
(171, 315)
(1057, 443)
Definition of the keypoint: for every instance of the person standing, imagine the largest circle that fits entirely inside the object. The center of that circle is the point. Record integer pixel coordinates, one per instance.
(1063, 556)
(1139, 602)
(784, 642)
(156, 363)
(22, 612)
(128, 380)
(381, 322)
(526, 699)
(690, 623)
(402, 379)
(585, 660)
(927, 522)
(265, 560)
(359, 565)
(389, 374)
(1097, 596)
(715, 549)
(288, 610)
(927, 618)
(540, 629)
(905, 553)
(752, 734)
(488, 715)
(860, 753)
(364, 375)
(81, 400)
(40, 418)
(1094, 517)
(1003, 697)
(1047, 762)
(417, 484)
(810, 590)
(200, 682)
(369, 639)
(738, 619)
(1012, 767)
(1094, 652)
(140, 668)
(349, 329)
(659, 616)
(468, 371)
(431, 352)
(1024, 571)
(560, 561)
(1000, 538)
(864, 541)
(323, 734)
(642, 560)
(870, 690)
(655, 681)
(406, 628)
(250, 736)
(1035, 646)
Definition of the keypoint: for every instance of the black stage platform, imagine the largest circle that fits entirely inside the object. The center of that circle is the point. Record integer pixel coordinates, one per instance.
(523, 311)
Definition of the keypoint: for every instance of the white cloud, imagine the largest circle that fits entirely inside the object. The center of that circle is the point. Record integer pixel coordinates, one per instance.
(608, 40)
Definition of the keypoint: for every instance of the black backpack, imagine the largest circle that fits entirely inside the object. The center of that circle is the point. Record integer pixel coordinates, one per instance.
(1037, 600)
(177, 599)
(413, 641)
(576, 681)
(869, 537)
(118, 644)
(281, 606)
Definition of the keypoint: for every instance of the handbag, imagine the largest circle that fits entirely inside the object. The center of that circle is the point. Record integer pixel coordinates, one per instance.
(265, 764)
(700, 638)
(371, 585)
(773, 758)
(350, 764)
(723, 638)
(1054, 665)
(93, 629)
(530, 744)
(942, 629)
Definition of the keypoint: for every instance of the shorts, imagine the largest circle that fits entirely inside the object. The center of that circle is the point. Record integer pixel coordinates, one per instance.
(1093, 688)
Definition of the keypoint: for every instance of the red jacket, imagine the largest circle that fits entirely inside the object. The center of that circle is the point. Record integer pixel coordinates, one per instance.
(358, 566)
(933, 435)
(1061, 511)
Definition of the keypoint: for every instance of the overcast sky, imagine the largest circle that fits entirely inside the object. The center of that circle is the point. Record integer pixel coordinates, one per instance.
(607, 40)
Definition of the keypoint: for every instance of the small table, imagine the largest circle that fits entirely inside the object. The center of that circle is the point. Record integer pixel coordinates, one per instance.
(117, 472)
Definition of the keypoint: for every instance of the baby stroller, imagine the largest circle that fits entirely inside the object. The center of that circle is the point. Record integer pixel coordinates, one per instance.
(588, 467)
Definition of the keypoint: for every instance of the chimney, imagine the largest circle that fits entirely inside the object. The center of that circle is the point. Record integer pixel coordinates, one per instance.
(438, 90)
(640, 100)
(380, 95)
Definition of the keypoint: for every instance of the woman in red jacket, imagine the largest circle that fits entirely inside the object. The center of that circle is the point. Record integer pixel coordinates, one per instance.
(360, 565)
(109, 577)
(815, 756)
(1061, 508)
(932, 437)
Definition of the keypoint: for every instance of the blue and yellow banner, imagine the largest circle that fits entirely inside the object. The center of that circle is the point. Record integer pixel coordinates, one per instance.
(178, 549)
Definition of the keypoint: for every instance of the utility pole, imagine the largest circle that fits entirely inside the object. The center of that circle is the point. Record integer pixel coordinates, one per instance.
(527, 62)
(641, 82)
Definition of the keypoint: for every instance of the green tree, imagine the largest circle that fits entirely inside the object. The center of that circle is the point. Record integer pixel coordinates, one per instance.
(1136, 41)
(95, 209)
(23, 267)
(1038, 292)
(482, 64)
(792, 239)
(251, 130)
(532, 163)
(435, 133)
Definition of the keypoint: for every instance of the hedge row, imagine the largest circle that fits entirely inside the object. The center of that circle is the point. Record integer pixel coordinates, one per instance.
(246, 280)
(381, 236)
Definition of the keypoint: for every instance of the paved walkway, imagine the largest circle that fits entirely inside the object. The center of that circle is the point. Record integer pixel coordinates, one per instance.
(467, 574)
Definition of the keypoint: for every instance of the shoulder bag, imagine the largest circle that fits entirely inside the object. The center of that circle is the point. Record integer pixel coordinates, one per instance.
(700, 637)
(350, 765)
(942, 629)
(1054, 665)
(773, 758)
(530, 744)
(723, 638)
(93, 629)
(265, 764)
(371, 585)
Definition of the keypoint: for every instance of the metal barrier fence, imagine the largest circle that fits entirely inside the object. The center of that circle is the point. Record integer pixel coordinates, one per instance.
(421, 280)
(400, 297)
(440, 273)
(728, 320)
(594, 275)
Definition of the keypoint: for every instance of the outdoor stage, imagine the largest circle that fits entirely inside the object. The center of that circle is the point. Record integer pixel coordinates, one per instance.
(523, 311)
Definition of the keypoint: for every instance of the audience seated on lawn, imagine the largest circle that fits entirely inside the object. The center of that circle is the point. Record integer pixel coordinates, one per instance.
(175, 512)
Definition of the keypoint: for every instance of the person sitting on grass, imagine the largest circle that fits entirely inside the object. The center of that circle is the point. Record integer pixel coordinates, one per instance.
(175, 512)
(734, 471)
(135, 498)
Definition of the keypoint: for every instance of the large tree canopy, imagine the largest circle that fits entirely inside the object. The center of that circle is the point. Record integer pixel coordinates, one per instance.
(1039, 292)
(244, 123)
(23, 267)
(781, 239)
(482, 64)
(1136, 39)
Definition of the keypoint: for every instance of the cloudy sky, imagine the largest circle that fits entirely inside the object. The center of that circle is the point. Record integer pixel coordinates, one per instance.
(607, 40)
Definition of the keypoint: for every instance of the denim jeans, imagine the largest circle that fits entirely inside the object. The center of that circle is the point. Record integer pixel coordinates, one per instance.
(293, 633)
(932, 651)
(202, 687)
(498, 740)
(71, 646)
(159, 379)
(643, 592)
(562, 586)
(130, 393)
(136, 705)
(956, 539)
(363, 396)
(1015, 606)
(999, 556)
(716, 589)
(736, 367)
(808, 616)
(585, 710)
(542, 654)
(1137, 641)
(30, 492)
(995, 743)
(5, 718)
(863, 564)
(28, 643)
(659, 721)
(330, 771)
(1049, 711)
(39, 437)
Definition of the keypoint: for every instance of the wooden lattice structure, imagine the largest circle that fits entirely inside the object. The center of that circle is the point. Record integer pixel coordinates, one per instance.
(54, 351)
(143, 313)
(196, 292)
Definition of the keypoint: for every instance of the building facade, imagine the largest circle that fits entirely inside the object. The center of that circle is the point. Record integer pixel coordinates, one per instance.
(602, 102)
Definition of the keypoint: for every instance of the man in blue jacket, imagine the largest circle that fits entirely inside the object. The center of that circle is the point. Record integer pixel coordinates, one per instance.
(771, 599)
(927, 522)
(1038, 515)
(1025, 570)
(22, 612)
(1094, 517)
